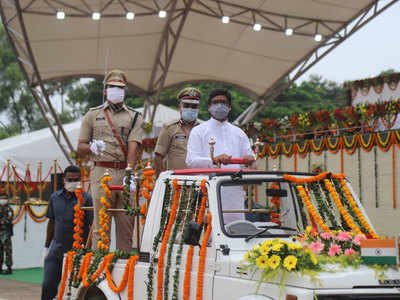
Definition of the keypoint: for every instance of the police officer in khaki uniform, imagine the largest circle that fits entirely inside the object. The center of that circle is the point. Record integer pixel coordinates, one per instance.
(111, 135)
(174, 135)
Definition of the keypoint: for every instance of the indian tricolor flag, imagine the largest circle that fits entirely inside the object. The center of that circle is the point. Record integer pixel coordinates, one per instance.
(380, 251)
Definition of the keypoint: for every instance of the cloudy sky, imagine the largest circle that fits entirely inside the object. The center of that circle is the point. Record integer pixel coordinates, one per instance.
(374, 48)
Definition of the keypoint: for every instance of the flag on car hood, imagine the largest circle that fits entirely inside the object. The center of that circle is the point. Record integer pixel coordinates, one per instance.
(379, 251)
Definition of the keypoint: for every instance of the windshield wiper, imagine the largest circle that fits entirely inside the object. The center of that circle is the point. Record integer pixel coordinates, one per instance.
(266, 228)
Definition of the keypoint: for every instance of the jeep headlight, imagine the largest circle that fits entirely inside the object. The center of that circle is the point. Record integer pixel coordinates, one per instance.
(255, 297)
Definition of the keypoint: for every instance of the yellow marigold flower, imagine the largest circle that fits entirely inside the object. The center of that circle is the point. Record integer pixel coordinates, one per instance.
(247, 255)
(262, 262)
(277, 247)
(298, 246)
(290, 262)
(264, 249)
(267, 243)
(313, 259)
(274, 261)
(292, 246)
(308, 229)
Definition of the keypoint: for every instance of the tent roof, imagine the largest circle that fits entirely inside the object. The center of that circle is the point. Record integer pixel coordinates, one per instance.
(190, 44)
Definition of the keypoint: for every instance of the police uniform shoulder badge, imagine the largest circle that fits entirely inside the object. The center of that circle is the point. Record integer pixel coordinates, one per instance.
(97, 107)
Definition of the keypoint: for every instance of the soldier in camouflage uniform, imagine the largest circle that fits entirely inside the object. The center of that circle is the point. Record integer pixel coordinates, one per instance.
(6, 232)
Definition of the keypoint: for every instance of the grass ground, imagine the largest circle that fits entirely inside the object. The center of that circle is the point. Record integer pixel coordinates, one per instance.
(32, 275)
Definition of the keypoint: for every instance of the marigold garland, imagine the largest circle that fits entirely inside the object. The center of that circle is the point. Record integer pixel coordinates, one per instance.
(189, 255)
(131, 276)
(104, 218)
(189, 211)
(124, 280)
(203, 201)
(300, 180)
(78, 220)
(334, 144)
(33, 217)
(163, 248)
(67, 268)
(85, 265)
(275, 216)
(202, 260)
(342, 210)
(158, 237)
(355, 208)
(18, 213)
(188, 270)
(148, 186)
(311, 209)
(39, 216)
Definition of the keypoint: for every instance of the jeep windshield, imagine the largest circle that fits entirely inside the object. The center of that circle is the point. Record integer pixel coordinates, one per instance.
(257, 208)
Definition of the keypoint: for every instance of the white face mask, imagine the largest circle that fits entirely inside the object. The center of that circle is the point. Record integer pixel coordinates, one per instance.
(115, 95)
(219, 111)
(71, 186)
(189, 114)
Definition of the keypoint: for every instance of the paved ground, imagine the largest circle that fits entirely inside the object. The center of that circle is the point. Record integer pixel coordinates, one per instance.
(18, 290)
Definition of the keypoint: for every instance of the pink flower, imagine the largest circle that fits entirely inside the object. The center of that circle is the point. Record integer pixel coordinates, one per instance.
(358, 238)
(349, 252)
(316, 247)
(334, 249)
(326, 235)
(343, 236)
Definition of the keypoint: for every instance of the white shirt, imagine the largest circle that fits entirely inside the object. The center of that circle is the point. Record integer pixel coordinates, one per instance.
(229, 139)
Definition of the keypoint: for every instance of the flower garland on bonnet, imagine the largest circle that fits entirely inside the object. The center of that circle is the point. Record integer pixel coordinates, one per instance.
(336, 246)
(275, 259)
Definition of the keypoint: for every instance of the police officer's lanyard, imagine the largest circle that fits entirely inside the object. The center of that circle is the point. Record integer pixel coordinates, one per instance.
(185, 131)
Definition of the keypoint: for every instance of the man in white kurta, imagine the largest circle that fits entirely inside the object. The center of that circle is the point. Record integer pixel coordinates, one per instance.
(230, 141)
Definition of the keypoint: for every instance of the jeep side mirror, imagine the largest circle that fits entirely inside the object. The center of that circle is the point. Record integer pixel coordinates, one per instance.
(191, 235)
(276, 193)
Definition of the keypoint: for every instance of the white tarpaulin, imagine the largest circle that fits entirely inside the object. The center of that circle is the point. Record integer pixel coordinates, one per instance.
(40, 145)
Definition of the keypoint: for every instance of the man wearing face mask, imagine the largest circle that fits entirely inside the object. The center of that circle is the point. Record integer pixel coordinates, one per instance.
(60, 229)
(173, 137)
(111, 135)
(230, 141)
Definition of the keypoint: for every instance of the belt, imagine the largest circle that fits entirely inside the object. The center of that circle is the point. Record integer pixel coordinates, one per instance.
(111, 164)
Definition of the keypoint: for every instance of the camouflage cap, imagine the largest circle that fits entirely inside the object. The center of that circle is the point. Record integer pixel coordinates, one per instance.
(189, 95)
(116, 78)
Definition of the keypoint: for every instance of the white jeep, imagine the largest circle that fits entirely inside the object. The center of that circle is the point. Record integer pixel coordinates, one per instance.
(239, 203)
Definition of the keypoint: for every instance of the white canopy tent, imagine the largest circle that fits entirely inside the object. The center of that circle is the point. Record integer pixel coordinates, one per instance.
(259, 46)
(39, 145)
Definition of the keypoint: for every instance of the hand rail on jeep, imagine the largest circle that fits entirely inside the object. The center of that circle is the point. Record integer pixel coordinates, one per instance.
(239, 161)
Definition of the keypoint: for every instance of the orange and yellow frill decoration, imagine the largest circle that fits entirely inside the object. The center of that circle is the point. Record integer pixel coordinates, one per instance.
(104, 217)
